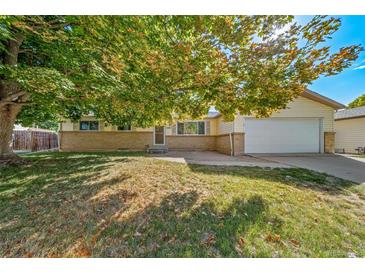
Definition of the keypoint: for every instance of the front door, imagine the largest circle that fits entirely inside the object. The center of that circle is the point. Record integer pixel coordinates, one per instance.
(159, 136)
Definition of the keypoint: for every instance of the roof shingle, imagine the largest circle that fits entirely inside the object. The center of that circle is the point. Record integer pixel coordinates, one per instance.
(350, 113)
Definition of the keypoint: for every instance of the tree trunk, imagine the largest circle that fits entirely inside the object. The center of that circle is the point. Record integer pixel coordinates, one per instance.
(8, 115)
(11, 97)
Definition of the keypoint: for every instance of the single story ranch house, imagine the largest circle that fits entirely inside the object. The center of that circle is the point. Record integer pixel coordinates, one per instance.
(305, 126)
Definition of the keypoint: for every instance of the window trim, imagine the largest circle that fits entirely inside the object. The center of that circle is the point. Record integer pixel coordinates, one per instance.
(82, 121)
(192, 121)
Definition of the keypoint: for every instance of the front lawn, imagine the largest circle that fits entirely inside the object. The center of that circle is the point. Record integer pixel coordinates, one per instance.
(128, 205)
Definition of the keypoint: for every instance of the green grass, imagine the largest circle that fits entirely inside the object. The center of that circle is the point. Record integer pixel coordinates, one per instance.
(128, 205)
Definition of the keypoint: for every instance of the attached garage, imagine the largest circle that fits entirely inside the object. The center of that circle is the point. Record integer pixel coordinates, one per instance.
(283, 135)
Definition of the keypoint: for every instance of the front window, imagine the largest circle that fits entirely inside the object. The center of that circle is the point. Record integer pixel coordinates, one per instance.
(191, 128)
(124, 127)
(89, 125)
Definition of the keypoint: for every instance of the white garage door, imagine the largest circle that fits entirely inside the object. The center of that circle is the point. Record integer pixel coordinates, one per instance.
(282, 135)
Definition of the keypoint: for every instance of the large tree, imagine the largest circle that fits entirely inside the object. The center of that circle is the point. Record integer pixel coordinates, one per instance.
(153, 69)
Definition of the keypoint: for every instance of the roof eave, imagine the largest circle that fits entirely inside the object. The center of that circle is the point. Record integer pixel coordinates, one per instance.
(349, 118)
(322, 99)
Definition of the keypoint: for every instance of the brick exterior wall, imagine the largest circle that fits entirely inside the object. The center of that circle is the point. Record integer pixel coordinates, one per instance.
(238, 143)
(104, 141)
(329, 142)
(134, 140)
(176, 142)
(223, 144)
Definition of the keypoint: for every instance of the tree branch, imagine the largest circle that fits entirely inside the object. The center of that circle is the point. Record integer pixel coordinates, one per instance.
(53, 24)
(15, 95)
(12, 97)
(12, 49)
(14, 103)
(25, 50)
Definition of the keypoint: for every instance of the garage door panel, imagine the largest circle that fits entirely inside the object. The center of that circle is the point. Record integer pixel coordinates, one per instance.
(278, 135)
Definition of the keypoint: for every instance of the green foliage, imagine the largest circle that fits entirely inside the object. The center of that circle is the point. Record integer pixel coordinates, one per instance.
(358, 102)
(35, 115)
(154, 69)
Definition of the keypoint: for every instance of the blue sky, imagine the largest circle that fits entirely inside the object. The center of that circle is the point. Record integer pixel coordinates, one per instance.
(350, 83)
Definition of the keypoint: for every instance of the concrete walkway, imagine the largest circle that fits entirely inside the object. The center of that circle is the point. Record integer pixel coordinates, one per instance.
(342, 166)
(360, 158)
(216, 159)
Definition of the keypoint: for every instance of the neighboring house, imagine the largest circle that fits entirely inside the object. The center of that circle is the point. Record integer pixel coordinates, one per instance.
(350, 129)
(305, 126)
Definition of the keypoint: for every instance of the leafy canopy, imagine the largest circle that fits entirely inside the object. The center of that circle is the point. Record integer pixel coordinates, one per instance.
(153, 69)
(358, 102)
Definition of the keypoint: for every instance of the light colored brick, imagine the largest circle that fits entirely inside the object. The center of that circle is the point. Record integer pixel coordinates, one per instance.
(191, 142)
(134, 140)
(329, 142)
(104, 140)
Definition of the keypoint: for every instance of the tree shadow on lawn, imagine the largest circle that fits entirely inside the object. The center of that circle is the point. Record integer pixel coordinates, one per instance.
(58, 207)
(58, 227)
(181, 227)
(46, 207)
(298, 177)
(47, 170)
(80, 208)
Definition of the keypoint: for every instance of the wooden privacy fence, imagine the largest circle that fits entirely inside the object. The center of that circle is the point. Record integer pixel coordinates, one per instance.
(34, 140)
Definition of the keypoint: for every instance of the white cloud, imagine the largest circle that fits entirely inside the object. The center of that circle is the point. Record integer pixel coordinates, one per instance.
(282, 30)
(359, 67)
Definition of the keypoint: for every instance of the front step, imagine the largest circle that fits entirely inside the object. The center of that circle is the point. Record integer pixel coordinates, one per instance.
(157, 150)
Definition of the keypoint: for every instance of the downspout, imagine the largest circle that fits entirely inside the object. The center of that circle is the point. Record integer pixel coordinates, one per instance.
(231, 143)
(59, 135)
(230, 139)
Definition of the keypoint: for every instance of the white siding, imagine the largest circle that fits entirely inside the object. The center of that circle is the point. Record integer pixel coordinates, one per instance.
(169, 130)
(107, 127)
(67, 126)
(213, 126)
(238, 123)
(300, 108)
(350, 134)
(223, 127)
(303, 107)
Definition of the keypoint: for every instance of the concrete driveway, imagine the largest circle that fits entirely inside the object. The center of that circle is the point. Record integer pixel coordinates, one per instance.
(349, 168)
(216, 159)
